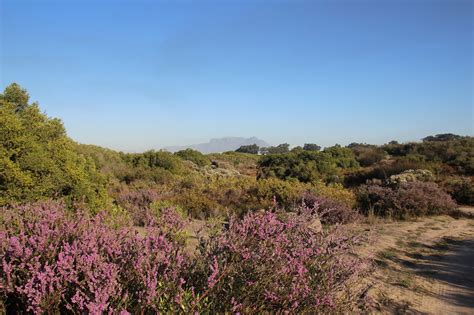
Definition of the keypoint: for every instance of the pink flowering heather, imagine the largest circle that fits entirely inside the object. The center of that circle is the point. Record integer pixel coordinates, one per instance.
(53, 261)
(137, 203)
(276, 262)
(56, 261)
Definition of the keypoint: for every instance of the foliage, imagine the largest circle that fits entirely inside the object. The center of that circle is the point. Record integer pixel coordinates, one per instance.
(308, 166)
(110, 163)
(194, 156)
(156, 159)
(16, 95)
(311, 147)
(366, 154)
(442, 137)
(455, 152)
(460, 188)
(55, 261)
(411, 176)
(279, 149)
(291, 193)
(243, 163)
(342, 157)
(38, 160)
(384, 170)
(331, 211)
(405, 200)
(275, 262)
(252, 149)
(137, 203)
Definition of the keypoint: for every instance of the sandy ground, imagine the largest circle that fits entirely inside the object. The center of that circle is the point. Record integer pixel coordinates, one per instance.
(424, 267)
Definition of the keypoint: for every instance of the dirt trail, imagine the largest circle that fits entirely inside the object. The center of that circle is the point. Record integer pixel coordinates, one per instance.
(455, 275)
(424, 267)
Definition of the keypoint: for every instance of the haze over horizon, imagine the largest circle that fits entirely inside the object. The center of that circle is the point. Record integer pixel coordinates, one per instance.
(137, 75)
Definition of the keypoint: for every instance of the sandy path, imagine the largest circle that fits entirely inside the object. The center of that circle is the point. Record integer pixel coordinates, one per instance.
(424, 267)
(455, 275)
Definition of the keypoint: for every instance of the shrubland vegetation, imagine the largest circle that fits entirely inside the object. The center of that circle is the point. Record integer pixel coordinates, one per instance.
(38, 160)
(71, 211)
(57, 260)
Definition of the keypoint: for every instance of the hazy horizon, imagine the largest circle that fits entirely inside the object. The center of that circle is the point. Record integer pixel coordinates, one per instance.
(141, 75)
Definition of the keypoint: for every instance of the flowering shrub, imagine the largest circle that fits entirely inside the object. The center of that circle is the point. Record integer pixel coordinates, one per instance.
(51, 261)
(277, 262)
(331, 211)
(137, 203)
(405, 200)
(55, 261)
(411, 176)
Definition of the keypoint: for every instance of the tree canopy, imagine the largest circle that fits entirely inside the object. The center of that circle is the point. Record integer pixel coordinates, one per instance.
(38, 160)
(252, 149)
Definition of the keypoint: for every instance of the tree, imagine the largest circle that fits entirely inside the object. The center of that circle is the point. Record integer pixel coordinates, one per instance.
(311, 147)
(252, 149)
(16, 95)
(38, 160)
(442, 137)
(279, 149)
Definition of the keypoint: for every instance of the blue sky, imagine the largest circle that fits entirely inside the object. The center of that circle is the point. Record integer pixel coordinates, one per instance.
(135, 75)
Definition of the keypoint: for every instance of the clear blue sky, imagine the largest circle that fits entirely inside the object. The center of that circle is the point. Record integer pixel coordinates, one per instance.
(135, 75)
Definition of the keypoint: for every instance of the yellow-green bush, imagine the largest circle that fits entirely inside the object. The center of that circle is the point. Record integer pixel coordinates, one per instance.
(38, 160)
(290, 192)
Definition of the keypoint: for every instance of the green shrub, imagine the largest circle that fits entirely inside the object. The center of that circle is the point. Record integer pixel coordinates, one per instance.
(251, 149)
(156, 159)
(290, 193)
(308, 166)
(194, 156)
(461, 189)
(367, 154)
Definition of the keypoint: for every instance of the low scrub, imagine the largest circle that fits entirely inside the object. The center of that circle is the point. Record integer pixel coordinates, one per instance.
(270, 262)
(405, 200)
(331, 211)
(461, 189)
(56, 261)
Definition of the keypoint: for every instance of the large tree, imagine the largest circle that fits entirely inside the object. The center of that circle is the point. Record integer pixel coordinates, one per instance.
(38, 160)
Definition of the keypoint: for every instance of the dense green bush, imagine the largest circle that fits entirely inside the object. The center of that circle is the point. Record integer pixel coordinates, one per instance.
(384, 170)
(252, 149)
(155, 159)
(244, 163)
(279, 149)
(291, 193)
(311, 147)
(367, 154)
(454, 151)
(38, 160)
(460, 188)
(308, 166)
(194, 156)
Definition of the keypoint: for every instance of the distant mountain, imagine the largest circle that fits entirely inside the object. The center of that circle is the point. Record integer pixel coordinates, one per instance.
(221, 145)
